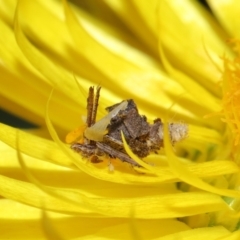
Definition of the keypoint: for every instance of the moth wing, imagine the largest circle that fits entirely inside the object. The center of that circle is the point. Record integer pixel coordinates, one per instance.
(98, 130)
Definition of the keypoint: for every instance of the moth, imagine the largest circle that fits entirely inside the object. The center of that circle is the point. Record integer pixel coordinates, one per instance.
(104, 136)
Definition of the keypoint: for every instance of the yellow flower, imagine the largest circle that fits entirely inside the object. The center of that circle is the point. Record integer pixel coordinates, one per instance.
(168, 57)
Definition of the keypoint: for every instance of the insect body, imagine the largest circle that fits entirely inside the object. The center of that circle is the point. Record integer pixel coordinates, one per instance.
(104, 137)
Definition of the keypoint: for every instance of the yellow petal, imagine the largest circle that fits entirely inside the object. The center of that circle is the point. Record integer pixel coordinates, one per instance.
(49, 229)
(227, 12)
(212, 233)
(33, 89)
(182, 40)
(24, 193)
(231, 236)
(34, 146)
(59, 78)
(129, 14)
(68, 226)
(190, 86)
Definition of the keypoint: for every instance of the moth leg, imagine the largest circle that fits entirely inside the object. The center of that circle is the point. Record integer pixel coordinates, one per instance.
(114, 153)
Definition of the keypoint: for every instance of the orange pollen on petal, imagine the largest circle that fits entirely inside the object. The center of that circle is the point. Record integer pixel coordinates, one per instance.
(76, 136)
(231, 92)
